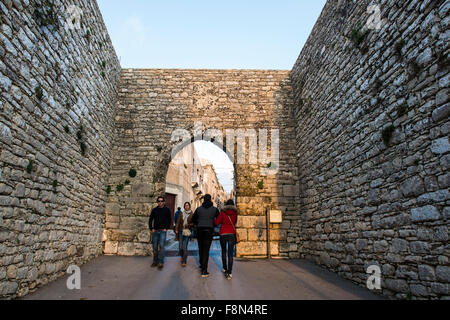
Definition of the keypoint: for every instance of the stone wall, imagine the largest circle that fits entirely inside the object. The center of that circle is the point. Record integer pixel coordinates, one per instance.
(154, 103)
(366, 201)
(58, 91)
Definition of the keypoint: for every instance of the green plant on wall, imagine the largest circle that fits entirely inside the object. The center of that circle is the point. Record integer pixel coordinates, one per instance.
(387, 134)
(159, 148)
(30, 166)
(402, 109)
(120, 187)
(377, 86)
(88, 35)
(80, 137)
(80, 133)
(132, 173)
(414, 69)
(54, 185)
(83, 148)
(39, 92)
(45, 13)
(108, 190)
(357, 37)
(261, 185)
(127, 182)
(398, 48)
(442, 60)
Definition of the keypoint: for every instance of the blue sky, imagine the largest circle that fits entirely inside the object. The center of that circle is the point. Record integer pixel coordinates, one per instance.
(199, 34)
(222, 165)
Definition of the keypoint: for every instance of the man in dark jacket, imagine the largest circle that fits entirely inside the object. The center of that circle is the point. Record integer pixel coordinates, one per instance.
(159, 222)
(204, 218)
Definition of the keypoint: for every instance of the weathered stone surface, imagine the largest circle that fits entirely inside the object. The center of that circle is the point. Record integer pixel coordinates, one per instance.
(111, 247)
(144, 236)
(440, 146)
(8, 288)
(361, 244)
(252, 248)
(420, 247)
(412, 187)
(126, 249)
(397, 285)
(425, 214)
(399, 245)
(438, 196)
(441, 113)
(440, 288)
(443, 273)
(426, 273)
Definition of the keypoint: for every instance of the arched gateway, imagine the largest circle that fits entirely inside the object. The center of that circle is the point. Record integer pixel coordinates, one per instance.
(248, 113)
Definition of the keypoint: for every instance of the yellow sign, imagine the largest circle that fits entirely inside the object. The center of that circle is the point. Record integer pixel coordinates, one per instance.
(276, 216)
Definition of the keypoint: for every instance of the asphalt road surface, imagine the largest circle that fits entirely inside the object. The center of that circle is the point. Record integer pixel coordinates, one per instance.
(132, 278)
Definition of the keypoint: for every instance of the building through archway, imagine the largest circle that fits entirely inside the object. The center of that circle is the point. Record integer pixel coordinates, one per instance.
(198, 169)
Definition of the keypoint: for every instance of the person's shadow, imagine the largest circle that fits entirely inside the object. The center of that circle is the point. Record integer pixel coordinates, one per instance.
(175, 289)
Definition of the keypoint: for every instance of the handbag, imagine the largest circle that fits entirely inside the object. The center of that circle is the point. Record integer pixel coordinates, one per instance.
(236, 234)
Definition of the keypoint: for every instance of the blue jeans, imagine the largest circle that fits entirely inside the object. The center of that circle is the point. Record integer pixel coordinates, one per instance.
(228, 240)
(184, 242)
(159, 243)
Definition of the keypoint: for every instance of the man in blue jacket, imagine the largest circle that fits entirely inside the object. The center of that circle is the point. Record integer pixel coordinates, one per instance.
(159, 222)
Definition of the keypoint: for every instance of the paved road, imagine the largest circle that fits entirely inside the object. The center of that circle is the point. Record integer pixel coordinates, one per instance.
(131, 278)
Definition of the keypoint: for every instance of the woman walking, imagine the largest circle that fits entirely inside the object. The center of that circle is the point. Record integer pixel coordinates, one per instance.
(227, 219)
(183, 232)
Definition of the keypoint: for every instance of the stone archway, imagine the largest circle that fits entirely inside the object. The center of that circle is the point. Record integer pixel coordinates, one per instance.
(159, 110)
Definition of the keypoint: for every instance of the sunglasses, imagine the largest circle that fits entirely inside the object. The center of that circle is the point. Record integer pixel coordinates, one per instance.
(161, 201)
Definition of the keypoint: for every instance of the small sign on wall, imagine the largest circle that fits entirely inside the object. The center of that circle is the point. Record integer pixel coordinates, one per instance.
(276, 216)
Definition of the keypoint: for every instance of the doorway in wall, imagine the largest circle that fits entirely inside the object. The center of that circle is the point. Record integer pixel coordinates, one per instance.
(199, 168)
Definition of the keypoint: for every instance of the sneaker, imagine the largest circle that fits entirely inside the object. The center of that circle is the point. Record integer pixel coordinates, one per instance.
(224, 271)
(154, 264)
(183, 265)
(160, 266)
(205, 274)
(229, 276)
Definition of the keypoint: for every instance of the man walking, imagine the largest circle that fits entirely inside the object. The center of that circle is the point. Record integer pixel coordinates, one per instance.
(177, 214)
(204, 218)
(159, 222)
